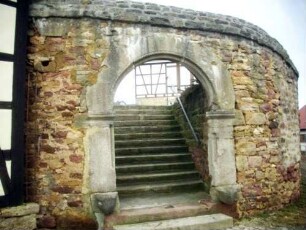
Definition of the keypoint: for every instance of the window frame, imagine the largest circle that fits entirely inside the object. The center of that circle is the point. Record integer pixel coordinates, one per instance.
(17, 152)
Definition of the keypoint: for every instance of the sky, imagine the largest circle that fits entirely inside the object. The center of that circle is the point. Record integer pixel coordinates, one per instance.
(285, 20)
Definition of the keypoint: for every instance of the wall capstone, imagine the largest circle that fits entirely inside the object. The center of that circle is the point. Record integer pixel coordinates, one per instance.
(153, 14)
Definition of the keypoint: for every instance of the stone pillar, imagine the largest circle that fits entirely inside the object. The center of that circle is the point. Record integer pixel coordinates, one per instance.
(221, 156)
(101, 162)
(101, 166)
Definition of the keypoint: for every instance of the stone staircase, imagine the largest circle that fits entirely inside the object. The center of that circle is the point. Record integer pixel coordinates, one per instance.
(151, 154)
(157, 183)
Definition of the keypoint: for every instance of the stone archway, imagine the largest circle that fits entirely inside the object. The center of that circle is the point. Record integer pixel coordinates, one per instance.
(89, 45)
(213, 77)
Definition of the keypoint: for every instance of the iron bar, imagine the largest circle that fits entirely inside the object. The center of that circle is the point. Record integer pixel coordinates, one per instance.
(188, 121)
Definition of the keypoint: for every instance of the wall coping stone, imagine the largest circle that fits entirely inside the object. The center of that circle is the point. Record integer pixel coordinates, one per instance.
(158, 15)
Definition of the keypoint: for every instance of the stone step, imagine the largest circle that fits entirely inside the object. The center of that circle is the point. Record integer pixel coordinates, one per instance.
(150, 150)
(142, 107)
(203, 222)
(151, 155)
(144, 123)
(137, 117)
(158, 187)
(153, 158)
(149, 142)
(165, 207)
(143, 112)
(160, 167)
(147, 129)
(138, 178)
(139, 136)
(156, 110)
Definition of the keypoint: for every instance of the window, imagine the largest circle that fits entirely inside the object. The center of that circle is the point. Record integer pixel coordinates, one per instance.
(303, 137)
(13, 22)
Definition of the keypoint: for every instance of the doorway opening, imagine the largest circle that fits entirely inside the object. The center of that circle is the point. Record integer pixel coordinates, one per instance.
(157, 82)
(160, 142)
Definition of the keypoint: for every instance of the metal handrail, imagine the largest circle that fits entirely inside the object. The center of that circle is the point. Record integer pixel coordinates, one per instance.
(188, 121)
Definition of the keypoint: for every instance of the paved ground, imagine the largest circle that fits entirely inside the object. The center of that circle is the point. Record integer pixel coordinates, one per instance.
(266, 228)
(290, 218)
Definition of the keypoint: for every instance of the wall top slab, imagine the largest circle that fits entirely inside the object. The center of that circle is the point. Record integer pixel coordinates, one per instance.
(158, 15)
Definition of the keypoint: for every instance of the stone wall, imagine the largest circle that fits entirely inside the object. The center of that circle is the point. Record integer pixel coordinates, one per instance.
(59, 68)
(193, 100)
(266, 128)
(22, 217)
(153, 14)
(70, 56)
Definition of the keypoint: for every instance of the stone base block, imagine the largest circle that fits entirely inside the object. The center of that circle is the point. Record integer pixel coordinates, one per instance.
(18, 223)
(22, 217)
(227, 194)
(105, 203)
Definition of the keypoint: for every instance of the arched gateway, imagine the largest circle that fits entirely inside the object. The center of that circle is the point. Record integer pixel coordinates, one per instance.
(211, 73)
(80, 51)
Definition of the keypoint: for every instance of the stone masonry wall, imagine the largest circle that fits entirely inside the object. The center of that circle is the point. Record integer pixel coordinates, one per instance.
(66, 56)
(193, 100)
(266, 128)
(59, 69)
(20, 217)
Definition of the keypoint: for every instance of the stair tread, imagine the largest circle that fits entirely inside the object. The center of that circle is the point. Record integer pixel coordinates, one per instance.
(172, 186)
(153, 164)
(154, 155)
(204, 222)
(142, 106)
(162, 184)
(156, 174)
(155, 126)
(144, 123)
(169, 132)
(141, 121)
(148, 133)
(144, 129)
(152, 158)
(143, 112)
(155, 139)
(159, 128)
(152, 147)
(158, 116)
(153, 207)
(148, 140)
(158, 184)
